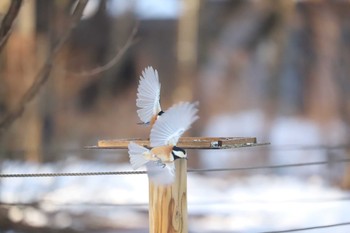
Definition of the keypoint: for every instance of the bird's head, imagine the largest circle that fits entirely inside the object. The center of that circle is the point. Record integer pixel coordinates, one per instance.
(179, 153)
(160, 113)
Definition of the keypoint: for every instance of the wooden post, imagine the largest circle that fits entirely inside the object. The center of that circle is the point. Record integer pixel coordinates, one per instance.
(168, 204)
(187, 49)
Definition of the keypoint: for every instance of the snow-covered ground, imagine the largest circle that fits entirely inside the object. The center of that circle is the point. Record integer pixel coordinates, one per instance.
(286, 135)
(251, 204)
(256, 201)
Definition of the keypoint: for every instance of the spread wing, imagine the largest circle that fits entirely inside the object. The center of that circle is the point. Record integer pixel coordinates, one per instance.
(160, 173)
(173, 123)
(136, 155)
(148, 95)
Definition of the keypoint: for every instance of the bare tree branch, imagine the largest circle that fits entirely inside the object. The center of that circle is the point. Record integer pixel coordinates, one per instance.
(44, 72)
(129, 42)
(7, 22)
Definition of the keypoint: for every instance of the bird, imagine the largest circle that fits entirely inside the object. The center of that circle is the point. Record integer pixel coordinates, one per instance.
(148, 97)
(164, 136)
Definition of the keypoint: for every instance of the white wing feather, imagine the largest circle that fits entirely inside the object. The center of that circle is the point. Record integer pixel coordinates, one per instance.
(148, 95)
(158, 172)
(173, 123)
(162, 174)
(136, 155)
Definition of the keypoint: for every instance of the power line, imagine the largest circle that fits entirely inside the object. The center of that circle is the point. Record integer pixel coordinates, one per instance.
(19, 175)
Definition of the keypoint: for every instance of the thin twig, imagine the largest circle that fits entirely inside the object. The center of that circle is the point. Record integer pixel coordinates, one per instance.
(6, 24)
(87, 73)
(44, 72)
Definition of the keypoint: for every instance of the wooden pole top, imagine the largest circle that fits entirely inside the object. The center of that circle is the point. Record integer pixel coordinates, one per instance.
(184, 142)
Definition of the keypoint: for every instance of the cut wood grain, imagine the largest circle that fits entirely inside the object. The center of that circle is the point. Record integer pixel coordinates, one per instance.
(168, 204)
(184, 142)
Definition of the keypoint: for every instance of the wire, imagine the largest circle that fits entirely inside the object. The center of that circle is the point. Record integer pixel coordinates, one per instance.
(201, 203)
(308, 147)
(271, 166)
(18, 175)
(267, 146)
(290, 147)
(72, 174)
(88, 204)
(310, 228)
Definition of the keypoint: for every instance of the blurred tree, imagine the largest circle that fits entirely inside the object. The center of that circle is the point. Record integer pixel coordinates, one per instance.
(19, 70)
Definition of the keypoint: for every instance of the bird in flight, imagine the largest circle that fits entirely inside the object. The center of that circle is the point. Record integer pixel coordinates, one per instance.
(164, 136)
(148, 96)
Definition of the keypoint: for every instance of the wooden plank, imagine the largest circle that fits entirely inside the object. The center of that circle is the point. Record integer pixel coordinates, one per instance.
(168, 204)
(184, 142)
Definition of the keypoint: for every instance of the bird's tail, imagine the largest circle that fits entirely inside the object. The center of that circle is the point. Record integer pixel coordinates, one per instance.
(136, 155)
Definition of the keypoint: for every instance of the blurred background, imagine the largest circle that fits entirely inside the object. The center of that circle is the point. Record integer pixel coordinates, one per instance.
(274, 70)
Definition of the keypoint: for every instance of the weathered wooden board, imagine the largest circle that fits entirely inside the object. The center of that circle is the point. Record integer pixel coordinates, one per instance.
(184, 142)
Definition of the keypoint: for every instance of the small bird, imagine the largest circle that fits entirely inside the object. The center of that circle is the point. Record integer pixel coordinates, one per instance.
(148, 97)
(164, 136)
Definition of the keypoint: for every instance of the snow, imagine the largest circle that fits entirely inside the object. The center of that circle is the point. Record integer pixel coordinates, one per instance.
(263, 203)
(251, 204)
(283, 132)
(244, 124)
(259, 201)
(299, 132)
